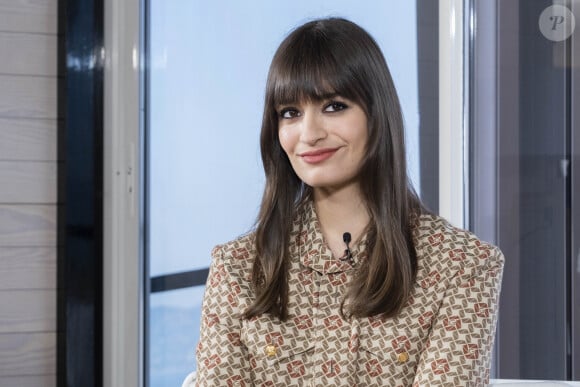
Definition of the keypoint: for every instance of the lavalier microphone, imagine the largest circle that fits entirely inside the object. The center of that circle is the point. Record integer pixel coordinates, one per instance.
(347, 253)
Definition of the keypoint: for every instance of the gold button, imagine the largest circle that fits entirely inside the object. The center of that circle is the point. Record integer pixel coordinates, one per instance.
(271, 350)
(403, 357)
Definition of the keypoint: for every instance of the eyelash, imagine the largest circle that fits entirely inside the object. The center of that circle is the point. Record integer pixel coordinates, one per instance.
(284, 111)
(336, 107)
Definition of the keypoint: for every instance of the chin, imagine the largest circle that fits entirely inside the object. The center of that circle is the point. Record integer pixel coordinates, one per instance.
(331, 185)
(328, 180)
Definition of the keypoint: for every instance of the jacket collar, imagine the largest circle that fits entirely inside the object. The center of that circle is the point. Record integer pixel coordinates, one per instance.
(309, 244)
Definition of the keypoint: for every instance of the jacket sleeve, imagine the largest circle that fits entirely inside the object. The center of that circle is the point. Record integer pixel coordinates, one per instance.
(222, 359)
(458, 350)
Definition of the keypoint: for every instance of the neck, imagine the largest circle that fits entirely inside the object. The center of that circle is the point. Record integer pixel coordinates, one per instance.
(341, 211)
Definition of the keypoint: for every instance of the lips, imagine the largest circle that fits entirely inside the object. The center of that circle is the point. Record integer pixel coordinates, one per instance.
(318, 156)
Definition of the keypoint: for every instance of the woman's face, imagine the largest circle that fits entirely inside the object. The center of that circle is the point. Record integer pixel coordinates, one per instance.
(325, 140)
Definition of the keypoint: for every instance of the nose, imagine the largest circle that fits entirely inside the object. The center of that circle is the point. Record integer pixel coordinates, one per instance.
(313, 129)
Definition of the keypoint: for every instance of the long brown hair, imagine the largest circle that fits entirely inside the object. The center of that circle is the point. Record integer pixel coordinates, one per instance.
(322, 57)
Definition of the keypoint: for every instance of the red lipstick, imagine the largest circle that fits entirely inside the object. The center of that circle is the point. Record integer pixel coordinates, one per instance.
(318, 156)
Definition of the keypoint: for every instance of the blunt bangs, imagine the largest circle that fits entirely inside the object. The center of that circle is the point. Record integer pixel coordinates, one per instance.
(311, 67)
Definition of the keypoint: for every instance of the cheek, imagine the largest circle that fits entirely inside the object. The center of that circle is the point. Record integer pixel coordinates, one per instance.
(286, 140)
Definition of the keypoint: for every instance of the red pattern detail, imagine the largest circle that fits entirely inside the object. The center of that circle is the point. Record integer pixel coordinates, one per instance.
(431, 280)
(440, 366)
(235, 380)
(484, 253)
(234, 339)
(436, 239)
(216, 251)
(329, 265)
(211, 319)
(212, 361)
(374, 368)
(425, 319)
(216, 279)
(274, 338)
(469, 284)
(471, 351)
(457, 255)
(296, 369)
(375, 321)
(401, 344)
(310, 256)
(316, 297)
(303, 322)
(301, 238)
(235, 287)
(333, 322)
(338, 279)
(481, 309)
(305, 277)
(353, 343)
(452, 323)
(233, 293)
(241, 253)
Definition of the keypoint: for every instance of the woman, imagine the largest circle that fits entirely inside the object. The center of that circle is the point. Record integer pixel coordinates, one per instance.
(346, 280)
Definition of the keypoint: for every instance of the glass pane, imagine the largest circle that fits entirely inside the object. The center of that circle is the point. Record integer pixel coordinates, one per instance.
(173, 334)
(526, 126)
(537, 272)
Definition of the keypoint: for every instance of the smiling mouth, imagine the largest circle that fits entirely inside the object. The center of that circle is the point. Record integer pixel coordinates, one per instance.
(318, 156)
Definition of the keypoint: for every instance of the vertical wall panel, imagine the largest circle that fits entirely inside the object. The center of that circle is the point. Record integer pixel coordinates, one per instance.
(27, 96)
(28, 268)
(28, 139)
(30, 54)
(24, 354)
(28, 200)
(38, 16)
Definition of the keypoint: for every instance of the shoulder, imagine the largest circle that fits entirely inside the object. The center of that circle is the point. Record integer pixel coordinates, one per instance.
(439, 243)
(236, 256)
(240, 248)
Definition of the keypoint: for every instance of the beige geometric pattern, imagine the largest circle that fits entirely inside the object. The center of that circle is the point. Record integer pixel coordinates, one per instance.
(442, 337)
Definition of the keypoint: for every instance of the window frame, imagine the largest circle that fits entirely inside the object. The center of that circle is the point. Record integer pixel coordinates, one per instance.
(453, 113)
(80, 187)
(123, 264)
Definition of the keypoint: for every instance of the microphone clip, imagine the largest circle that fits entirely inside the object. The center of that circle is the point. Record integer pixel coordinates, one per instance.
(346, 237)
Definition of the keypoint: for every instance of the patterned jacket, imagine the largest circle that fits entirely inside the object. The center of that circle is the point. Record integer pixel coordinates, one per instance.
(442, 337)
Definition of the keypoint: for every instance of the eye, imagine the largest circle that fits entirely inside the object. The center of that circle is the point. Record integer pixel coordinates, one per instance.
(289, 112)
(335, 106)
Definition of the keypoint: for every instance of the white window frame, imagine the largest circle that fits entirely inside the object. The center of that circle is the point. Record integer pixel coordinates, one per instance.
(453, 139)
(123, 267)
